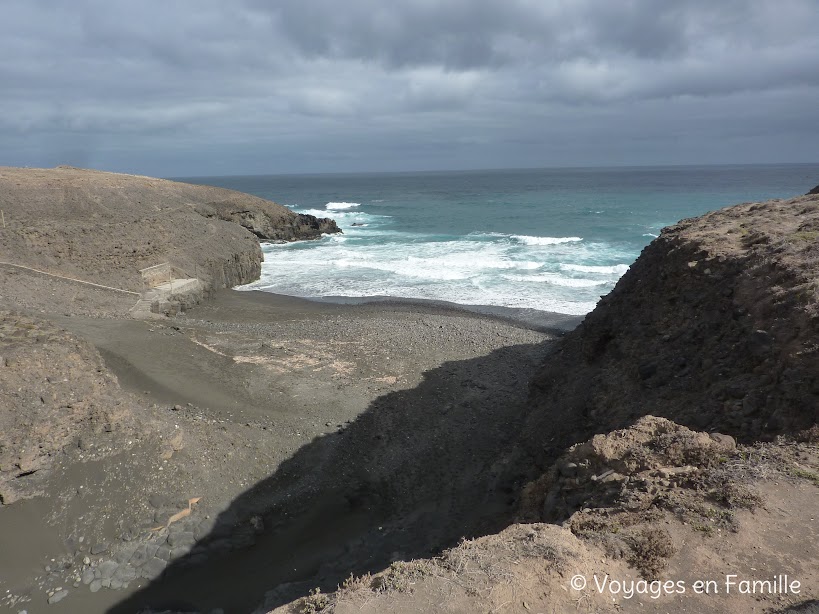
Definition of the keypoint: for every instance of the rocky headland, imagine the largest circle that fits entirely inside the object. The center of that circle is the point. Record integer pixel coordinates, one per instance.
(106, 227)
(272, 454)
(715, 326)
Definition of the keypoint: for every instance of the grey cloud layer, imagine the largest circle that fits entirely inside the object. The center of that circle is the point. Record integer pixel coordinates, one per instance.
(214, 86)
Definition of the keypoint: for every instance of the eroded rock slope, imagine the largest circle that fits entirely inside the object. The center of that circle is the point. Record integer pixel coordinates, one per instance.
(715, 326)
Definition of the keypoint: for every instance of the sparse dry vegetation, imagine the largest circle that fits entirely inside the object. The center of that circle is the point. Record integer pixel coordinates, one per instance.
(315, 603)
(805, 474)
(651, 547)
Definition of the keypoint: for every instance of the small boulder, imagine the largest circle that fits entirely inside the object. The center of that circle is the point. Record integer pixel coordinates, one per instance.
(99, 548)
(58, 596)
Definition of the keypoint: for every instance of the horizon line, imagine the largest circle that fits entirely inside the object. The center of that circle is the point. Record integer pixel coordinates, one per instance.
(494, 169)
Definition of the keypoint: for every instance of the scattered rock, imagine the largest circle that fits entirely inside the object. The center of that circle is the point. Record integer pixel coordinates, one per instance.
(139, 556)
(179, 552)
(152, 568)
(58, 596)
(181, 539)
(130, 534)
(99, 548)
(726, 442)
(163, 552)
(87, 576)
(106, 569)
(124, 574)
(123, 555)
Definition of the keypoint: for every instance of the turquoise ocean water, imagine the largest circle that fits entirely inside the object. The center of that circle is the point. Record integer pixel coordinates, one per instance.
(551, 240)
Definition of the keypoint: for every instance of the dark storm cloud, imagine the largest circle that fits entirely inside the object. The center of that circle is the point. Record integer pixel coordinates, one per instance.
(184, 86)
(463, 34)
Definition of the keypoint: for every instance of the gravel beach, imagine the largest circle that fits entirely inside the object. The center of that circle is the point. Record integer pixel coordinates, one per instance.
(297, 439)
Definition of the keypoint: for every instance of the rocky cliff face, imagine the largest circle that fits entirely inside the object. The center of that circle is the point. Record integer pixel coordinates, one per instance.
(104, 227)
(716, 326)
(269, 225)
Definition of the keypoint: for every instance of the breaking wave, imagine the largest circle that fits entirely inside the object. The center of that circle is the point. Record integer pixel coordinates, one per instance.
(341, 206)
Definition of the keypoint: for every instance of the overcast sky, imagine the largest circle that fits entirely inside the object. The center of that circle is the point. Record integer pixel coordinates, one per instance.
(203, 87)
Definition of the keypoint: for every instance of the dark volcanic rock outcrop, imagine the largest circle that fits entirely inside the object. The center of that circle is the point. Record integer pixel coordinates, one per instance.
(268, 224)
(716, 326)
(104, 227)
(813, 191)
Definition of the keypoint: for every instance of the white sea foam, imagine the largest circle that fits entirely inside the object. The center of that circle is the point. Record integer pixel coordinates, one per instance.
(443, 260)
(479, 234)
(479, 268)
(416, 268)
(558, 280)
(347, 217)
(341, 206)
(616, 269)
(527, 240)
(467, 292)
(569, 282)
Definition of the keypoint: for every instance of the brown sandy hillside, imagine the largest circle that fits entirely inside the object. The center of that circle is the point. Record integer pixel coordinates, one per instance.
(57, 400)
(104, 227)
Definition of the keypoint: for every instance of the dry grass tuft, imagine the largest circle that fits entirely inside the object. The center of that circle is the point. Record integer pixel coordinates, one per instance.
(651, 548)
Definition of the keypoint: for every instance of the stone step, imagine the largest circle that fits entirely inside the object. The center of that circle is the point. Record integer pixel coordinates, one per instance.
(168, 299)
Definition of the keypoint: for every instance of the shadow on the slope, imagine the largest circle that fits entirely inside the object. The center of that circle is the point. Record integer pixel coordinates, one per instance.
(411, 476)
